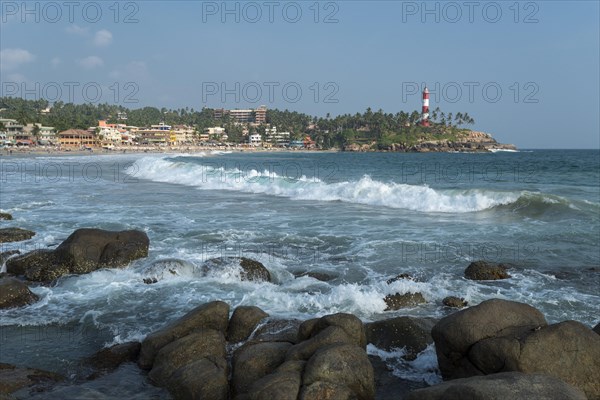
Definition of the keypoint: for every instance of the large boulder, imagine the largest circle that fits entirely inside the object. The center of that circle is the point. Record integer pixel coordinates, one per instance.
(86, 250)
(330, 335)
(254, 361)
(109, 359)
(243, 322)
(13, 378)
(212, 315)
(349, 323)
(200, 379)
(205, 343)
(15, 235)
(409, 333)
(249, 270)
(502, 386)
(14, 293)
(456, 333)
(485, 271)
(326, 391)
(278, 330)
(283, 384)
(342, 364)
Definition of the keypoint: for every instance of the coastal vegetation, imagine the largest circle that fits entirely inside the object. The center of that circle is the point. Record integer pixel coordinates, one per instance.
(375, 129)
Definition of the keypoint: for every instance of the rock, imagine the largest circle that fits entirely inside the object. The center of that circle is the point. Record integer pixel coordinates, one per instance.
(15, 235)
(454, 302)
(326, 391)
(5, 216)
(255, 360)
(250, 270)
(320, 276)
(568, 350)
(400, 277)
(86, 250)
(597, 328)
(13, 378)
(205, 343)
(278, 330)
(387, 385)
(330, 335)
(456, 333)
(7, 254)
(279, 385)
(342, 364)
(14, 293)
(353, 327)
(502, 386)
(167, 268)
(412, 334)
(243, 322)
(212, 315)
(201, 379)
(483, 271)
(107, 360)
(397, 301)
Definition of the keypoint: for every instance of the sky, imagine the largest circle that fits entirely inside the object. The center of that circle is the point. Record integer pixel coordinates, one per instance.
(527, 72)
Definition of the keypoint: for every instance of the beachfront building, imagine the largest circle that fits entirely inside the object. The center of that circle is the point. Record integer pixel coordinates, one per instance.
(277, 138)
(254, 140)
(182, 134)
(260, 115)
(44, 135)
(214, 133)
(159, 134)
(246, 116)
(10, 129)
(77, 138)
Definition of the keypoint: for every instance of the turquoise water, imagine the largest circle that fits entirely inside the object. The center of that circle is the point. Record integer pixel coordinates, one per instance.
(360, 217)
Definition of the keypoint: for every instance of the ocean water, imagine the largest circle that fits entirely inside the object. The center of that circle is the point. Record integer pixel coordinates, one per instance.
(362, 218)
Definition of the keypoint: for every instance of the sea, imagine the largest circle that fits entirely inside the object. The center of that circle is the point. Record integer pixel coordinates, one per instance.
(358, 219)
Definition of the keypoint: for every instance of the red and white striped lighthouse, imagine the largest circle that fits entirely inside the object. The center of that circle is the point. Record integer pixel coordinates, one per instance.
(425, 110)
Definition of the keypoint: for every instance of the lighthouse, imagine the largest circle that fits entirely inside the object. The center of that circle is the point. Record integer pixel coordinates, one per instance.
(425, 110)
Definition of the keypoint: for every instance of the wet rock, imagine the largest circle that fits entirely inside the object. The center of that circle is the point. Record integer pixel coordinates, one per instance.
(282, 384)
(15, 235)
(167, 268)
(5, 216)
(397, 301)
(7, 254)
(400, 277)
(342, 364)
(320, 276)
(501, 386)
(254, 361)
(214, 315)
(387, 385)
(454, 302)
(251, 270)
(597, 328)
(349, 323)
(456, 333)
(243, 322)
(411, 334)
(205, 343)
(485, 271)
(326, 391)
(86, 250)
(13, 378)
(108, 360)
(14, 293)
(330, 335)
(278, 330)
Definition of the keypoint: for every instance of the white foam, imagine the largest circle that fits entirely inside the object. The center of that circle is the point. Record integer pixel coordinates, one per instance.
(364, 191)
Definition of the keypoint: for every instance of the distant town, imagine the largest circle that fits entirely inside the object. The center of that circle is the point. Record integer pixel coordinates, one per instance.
(37, 124)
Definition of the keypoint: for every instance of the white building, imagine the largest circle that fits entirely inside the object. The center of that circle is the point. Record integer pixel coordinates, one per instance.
(277, 138)
(255, 139)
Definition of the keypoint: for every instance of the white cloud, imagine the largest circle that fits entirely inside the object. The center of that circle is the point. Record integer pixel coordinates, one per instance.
(103, 38)
(55, 62)
(76, 30)
(16, 78)
(13, 58)
(91, 62)
(134, 71)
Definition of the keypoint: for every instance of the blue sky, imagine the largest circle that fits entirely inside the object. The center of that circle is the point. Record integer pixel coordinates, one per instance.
(528, 72)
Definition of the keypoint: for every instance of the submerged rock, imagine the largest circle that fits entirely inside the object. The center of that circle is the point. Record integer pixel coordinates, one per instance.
(486, 271)
(167, 268)
(86, 250)
(410, 333)
(109, 359)
(13, 378)
(397, 301)
(250, 270)
(15, 235)
(320, 276)
(501, 386)
(14, 293)
(400, 277)
(5, 216)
